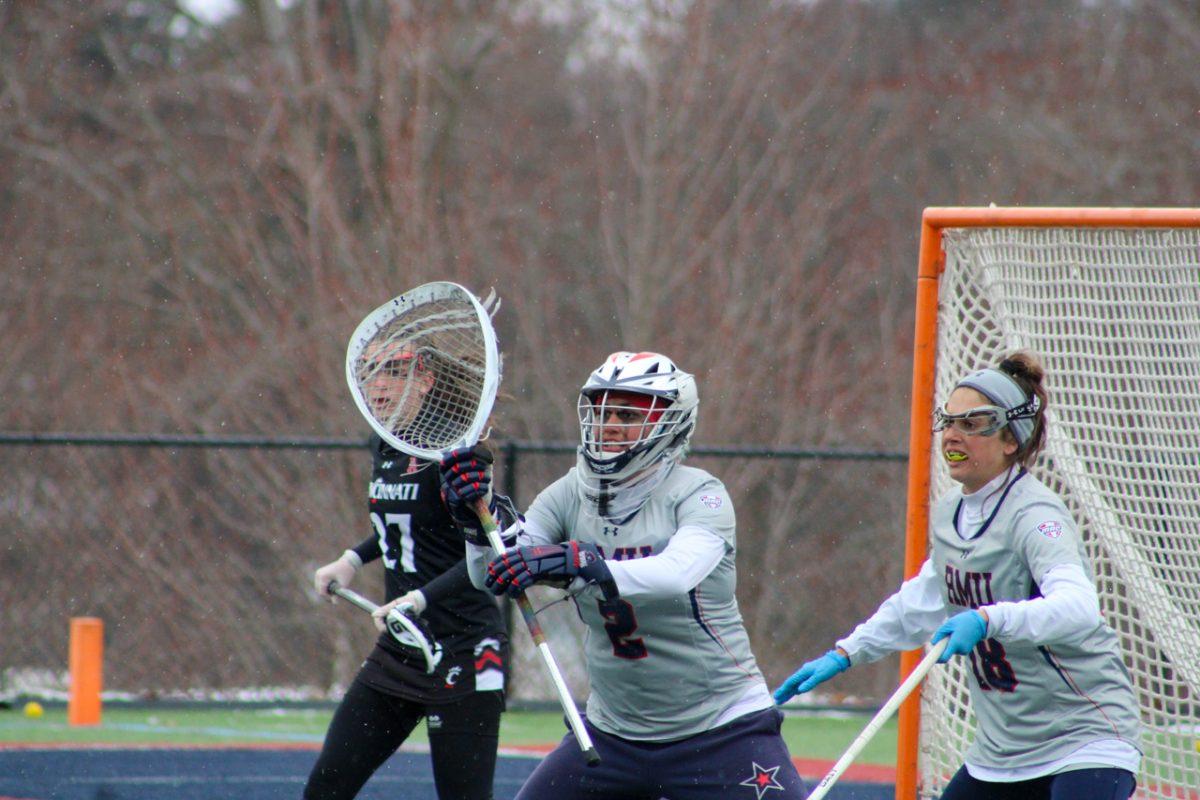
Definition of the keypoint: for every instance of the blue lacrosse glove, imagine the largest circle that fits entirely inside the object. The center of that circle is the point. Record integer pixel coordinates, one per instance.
(518, 568)
(965, 629)
(466, 476)
(811, 674)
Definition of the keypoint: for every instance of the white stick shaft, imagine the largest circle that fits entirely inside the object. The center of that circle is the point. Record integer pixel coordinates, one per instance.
(354, 597)
(877, 722)
(564, 697)
(493, 536)
(539, 639)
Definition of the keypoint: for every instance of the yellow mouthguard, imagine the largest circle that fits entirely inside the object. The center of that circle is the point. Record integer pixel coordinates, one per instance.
(956, 456)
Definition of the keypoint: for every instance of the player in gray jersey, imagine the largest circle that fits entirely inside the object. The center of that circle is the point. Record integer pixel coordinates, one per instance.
(1009, 584)
(646, 546)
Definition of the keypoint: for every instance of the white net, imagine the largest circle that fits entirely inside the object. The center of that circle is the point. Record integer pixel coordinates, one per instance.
(1115, 316)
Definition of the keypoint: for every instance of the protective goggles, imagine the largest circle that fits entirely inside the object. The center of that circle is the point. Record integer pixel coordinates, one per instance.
(984, 420)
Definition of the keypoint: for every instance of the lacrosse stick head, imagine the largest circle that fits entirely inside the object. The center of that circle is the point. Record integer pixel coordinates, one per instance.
(424, 369)
(414, 637)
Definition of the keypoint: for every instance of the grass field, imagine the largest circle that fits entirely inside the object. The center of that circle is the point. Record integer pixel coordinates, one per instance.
(808, 735)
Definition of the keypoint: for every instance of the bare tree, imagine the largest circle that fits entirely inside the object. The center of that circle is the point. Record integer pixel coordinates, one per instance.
(195, 217)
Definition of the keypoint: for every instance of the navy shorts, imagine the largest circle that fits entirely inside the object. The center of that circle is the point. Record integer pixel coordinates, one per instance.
(1078, 784)
(746, 759)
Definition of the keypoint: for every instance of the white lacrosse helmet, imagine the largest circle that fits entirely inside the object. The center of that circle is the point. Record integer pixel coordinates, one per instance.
(655, 404)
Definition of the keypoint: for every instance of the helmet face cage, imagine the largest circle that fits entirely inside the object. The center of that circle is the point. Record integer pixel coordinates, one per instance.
(623, 421)
(645, 406)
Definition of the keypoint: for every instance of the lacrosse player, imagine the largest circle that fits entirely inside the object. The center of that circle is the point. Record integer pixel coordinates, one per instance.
(646, 546)
(1009, 584)
(425, 577)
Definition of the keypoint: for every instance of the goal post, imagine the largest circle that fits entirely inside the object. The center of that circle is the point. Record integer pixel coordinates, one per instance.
(1109, 299)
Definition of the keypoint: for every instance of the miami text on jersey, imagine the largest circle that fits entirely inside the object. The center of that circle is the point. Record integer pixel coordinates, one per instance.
(970, 589)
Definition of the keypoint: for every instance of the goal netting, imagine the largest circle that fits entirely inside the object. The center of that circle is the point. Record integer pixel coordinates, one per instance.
(1114, 313)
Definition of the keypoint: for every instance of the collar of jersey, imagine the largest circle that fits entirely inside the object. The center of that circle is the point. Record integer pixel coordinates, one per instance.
(987, 522)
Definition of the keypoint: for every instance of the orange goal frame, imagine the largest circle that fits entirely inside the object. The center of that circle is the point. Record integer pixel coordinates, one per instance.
(931, 263)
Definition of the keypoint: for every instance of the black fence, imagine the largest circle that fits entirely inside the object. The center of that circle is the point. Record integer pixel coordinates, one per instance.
(509, 454)
(218, 536)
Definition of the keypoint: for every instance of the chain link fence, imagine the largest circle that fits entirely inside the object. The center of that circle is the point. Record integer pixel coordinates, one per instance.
(197, 553)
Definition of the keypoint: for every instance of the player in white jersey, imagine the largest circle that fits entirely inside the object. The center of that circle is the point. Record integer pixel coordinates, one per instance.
(678, 707)
(1009, 584)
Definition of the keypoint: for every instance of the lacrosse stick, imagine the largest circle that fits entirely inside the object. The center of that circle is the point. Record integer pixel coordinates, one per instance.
(879, 719)
(403, 628)
(424, 369)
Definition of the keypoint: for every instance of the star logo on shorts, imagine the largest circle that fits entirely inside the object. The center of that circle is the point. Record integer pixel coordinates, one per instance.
(763, 780)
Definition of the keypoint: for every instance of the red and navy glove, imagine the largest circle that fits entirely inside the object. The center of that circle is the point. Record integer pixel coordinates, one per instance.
(466, 475)
(518, 568)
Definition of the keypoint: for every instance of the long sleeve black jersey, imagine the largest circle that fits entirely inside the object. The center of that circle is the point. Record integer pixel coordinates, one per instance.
(423, 548)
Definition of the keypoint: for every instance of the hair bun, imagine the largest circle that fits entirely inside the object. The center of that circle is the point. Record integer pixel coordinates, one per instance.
(1013, 366)
(1024, 365)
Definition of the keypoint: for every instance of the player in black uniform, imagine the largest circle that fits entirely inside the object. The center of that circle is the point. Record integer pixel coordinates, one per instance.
(422, 550)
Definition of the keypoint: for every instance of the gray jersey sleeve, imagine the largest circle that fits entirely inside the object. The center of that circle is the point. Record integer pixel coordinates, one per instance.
(710, 508)
(1045, 536)
(549, 518)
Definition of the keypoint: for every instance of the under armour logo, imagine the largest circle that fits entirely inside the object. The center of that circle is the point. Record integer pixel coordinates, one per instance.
(763, 780)
(613, 531)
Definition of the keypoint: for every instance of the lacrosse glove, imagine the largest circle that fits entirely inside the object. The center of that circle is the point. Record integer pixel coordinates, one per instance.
(518, 568)
(466, 475)
(965, 629)
(811, 674)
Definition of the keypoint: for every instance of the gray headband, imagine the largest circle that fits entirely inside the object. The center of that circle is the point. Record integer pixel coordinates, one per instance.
(1000, 388)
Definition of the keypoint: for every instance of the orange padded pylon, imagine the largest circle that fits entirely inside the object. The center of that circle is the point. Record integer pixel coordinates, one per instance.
(87, 659)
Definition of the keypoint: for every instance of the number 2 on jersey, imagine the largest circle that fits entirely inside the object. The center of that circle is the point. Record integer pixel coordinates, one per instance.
(620, 624)
(403, 525)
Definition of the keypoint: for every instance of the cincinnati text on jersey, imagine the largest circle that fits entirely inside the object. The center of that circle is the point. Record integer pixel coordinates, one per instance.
(393, 491)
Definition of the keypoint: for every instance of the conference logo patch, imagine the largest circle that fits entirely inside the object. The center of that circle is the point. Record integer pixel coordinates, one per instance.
(1050, 529)
(711, 501)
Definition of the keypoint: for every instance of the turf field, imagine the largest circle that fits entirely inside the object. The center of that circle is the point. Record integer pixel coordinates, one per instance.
(809, 736)
(145, 752)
